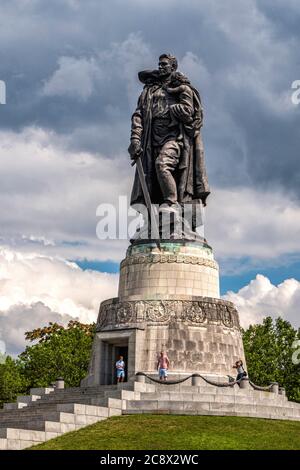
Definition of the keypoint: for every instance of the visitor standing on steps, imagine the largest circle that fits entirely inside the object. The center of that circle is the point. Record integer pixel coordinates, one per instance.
(163, 364)
(120, 368)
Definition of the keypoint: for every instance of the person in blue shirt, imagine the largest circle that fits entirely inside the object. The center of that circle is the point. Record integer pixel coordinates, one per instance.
(120, 368)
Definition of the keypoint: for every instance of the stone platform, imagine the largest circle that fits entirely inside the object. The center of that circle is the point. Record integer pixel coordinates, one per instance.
(168, 300)
(50, 412)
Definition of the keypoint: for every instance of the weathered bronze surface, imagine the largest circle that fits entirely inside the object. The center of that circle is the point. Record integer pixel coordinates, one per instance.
(165, 133)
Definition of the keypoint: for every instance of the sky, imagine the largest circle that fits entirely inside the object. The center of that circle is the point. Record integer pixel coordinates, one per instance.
(70, 69)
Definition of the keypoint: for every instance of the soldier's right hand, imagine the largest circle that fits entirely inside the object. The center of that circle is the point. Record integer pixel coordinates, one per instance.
(134, 149)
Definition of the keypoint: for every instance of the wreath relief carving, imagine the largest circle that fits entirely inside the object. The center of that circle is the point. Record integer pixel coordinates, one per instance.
(168, 258)
(195, 312)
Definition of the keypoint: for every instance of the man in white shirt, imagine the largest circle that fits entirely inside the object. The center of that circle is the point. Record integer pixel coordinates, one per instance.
(120, 368)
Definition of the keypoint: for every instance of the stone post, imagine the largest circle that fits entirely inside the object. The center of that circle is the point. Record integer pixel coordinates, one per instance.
(140, 378)
(60, 383)
(274, 387)
(196, 380)
(244, 383)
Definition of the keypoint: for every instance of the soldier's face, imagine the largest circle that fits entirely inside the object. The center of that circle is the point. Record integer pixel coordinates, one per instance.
(164, 67)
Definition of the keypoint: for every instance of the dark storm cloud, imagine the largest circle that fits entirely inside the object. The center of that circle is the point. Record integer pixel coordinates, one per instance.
(71, 66)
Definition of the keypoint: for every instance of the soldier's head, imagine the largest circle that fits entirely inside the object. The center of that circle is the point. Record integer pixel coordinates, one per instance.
(167, 64)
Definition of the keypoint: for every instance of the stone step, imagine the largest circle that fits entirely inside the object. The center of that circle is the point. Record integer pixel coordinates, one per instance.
(77, 408)
(203, 390)
(235, 397)
(83, 409)
(26, 435)
(263, 415)
(41, 390)
(47, 415)
(71, 397)
(28, 398)
(88, 399)
(61, 395)
(13, 406)
(68, 410)
(186, 407)
(51, 425)
(66, 413)
(195, 389)
(28, 411)
(17, 444)
(61, 412)
(83, 390)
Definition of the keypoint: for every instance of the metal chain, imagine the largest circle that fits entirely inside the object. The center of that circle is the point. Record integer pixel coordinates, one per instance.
(174, 382)
(210, 382)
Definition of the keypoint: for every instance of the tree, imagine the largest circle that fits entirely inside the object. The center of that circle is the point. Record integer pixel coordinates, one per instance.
(269, 350)
(12, 382)
(60, 352)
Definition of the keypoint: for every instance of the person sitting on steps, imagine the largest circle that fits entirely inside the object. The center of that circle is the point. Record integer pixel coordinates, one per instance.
(240, 370)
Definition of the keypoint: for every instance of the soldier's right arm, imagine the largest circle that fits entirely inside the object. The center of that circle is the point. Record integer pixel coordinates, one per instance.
(135, 146)
(137, 122)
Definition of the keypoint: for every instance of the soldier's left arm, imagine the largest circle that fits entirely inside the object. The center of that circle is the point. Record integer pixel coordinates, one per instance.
(183, 110)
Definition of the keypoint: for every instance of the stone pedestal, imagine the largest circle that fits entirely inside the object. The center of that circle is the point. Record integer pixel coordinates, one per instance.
(168, 300)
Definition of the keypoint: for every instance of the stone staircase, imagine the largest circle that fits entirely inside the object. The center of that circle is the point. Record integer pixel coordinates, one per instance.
(49, 412)
(211, 400)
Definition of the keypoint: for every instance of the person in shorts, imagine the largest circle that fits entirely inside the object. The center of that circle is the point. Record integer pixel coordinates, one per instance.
(163, 364)
(120, 368)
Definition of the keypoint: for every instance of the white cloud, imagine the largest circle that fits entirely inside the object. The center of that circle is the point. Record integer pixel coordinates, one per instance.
(36, 289)
(49, 195)
(194, 68)
(20, 318)
(245, 222)
(124, 59)
(80, 77)
(42, 240)
(260, 298)
(74, 77)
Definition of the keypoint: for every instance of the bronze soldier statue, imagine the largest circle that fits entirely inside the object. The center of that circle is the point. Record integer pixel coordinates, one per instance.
(165, 134)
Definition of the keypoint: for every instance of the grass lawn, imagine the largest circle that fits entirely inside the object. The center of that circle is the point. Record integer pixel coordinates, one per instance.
(171, 432)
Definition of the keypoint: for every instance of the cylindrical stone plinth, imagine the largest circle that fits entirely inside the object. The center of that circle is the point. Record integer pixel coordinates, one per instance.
(186, 268)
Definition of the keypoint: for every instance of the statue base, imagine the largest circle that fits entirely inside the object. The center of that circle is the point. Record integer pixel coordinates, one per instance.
(175, 222)
(168, 301)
